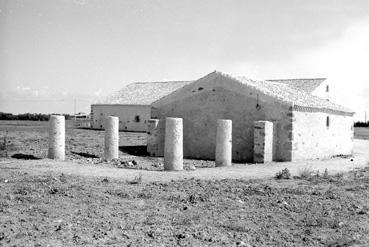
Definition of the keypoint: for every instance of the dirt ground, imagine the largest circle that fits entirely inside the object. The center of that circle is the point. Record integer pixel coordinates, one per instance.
(153, 173)
(29, 140)
(42, 204)
(64, 210)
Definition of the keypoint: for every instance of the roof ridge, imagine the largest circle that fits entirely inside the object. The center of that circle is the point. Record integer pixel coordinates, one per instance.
(147, 82)
(295, 79)
(231, 76)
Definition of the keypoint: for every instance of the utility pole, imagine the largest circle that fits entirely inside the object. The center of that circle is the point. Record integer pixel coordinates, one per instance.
(365, 116)
(75, 108)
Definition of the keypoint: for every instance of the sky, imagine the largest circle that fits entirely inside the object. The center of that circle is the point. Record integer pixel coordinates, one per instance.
(59, 56)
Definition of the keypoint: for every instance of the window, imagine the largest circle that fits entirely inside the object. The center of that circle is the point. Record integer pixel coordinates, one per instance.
(328, 122)
(137, 118)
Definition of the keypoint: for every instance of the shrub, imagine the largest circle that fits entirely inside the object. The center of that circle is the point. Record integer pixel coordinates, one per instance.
(136, 180)
(284, 174)
(325, 174)
(305, 173)
(361, 124)
(339, 175)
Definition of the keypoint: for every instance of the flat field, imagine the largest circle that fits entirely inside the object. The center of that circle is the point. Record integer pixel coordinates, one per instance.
(29, 140)
(55, 209)
(362, 133)
(31, 137)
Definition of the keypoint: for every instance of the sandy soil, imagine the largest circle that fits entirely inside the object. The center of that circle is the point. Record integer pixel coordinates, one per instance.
(64, 210)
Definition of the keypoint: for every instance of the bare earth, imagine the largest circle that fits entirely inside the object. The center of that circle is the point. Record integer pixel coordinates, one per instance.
(85, 201)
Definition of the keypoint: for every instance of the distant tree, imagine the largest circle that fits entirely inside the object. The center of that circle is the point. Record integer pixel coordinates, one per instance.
(24, 116)
(361, 124)
(68, 116)
(6, 116)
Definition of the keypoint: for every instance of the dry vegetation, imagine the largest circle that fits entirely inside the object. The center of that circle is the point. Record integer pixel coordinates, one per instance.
(60, 210)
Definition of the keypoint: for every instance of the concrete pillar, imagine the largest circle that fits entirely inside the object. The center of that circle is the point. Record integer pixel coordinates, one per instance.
(111, 150)
(56, 138)
(263, 141)
(173, 144)
(223, 152)
(152, 137)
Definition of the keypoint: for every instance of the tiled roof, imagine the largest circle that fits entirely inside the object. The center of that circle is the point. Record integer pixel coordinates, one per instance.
(145, 93)
(142, 93)
(285, 93)
(306, 85)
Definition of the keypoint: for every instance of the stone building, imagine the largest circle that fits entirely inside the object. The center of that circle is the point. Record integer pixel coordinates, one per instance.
(304, 126)
(132, 104)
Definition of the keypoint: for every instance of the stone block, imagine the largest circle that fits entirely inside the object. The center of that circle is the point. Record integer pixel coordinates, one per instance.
(263, 141)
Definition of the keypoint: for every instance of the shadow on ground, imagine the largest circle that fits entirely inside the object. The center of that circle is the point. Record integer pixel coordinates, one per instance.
(25, 157)
(135, 150)
(86, 155)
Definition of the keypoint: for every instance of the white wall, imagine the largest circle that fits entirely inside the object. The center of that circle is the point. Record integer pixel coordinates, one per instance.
(313, 139)
(321, 91)
(126, 113)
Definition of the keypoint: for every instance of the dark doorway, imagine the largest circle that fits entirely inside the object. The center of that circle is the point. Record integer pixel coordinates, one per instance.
(135, 150)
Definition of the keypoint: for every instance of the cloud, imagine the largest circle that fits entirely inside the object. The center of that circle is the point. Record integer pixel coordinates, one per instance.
(98, 93)
(26, 91)
(345, 62)
(23, 89)
(23, 98)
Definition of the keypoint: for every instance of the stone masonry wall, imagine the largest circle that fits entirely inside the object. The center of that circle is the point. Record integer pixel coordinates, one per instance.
(263, 141)
(205, 103)
(321, 135)
(153, 135)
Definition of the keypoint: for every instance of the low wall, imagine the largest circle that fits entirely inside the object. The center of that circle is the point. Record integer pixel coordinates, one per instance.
(131, 117)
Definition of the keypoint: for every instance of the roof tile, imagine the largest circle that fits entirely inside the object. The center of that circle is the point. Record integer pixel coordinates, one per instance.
(306, 85)
(142, 93)
(145, 93)
(286, 93)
